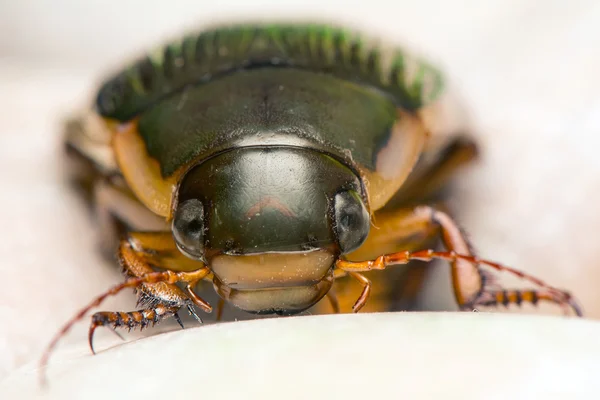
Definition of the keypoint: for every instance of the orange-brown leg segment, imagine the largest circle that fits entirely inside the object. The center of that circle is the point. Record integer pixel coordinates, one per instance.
(93, 168)
(158, 248)
(392, 231)
(364, 295)
(396, 228)
(198, 301)
(160, 300)
(142, 249)
(333, 301)
(433, 172)
(134, 265)
(132, 262)
(469, 281)
(220, 306)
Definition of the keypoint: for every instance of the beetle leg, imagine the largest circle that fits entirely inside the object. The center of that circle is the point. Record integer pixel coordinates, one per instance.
(220, 306)
(128, 256)
(333, 301)
(170, 298)
(94, 170)
(469, 280)
(366, 292)
(88, 150)
(395, 230)
(130, 320)
(131, 256)
(515, 296)
(159, 249)
(161, 300)
(189, 289)
(396, 227)
(395, 289)
(118, 211)
(177, 319)
(433, 172)
(148, 294)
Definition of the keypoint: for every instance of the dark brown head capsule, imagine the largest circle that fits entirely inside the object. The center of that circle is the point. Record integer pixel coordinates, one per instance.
(270, 222)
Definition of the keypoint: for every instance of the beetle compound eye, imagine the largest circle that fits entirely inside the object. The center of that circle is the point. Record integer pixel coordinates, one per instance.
(352, 221)
(188, 228)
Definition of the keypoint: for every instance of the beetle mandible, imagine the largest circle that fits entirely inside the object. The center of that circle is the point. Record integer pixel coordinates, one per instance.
(272, 160)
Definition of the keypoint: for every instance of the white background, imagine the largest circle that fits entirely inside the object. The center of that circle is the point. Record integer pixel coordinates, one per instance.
(527, 71)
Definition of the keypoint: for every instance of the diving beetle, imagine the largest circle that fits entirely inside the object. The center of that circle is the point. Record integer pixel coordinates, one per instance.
(271, 161)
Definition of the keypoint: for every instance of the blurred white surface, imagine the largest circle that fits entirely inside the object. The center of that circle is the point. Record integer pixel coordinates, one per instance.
(365, 356)
(527, 71)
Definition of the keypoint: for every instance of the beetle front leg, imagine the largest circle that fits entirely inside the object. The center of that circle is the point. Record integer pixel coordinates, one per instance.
(429, 178)
(131, 319)
(136, 260)
(159, 301)
(144, 279)
(159, 248)
(170, 277)
(468, 279)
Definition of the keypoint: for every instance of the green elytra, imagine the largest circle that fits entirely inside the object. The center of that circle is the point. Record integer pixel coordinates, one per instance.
(208, 92)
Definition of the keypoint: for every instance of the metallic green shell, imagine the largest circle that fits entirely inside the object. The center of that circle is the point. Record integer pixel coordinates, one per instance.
(199, 59)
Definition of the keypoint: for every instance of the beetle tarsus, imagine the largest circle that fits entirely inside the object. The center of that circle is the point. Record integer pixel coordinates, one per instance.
(507, 297)
(131, 320)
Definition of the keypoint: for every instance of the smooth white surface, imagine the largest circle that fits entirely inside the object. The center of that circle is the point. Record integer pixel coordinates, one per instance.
(368, 356)
(526, 69)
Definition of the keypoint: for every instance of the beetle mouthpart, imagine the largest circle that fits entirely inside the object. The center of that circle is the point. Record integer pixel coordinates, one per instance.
(281, 301)
(272, 270)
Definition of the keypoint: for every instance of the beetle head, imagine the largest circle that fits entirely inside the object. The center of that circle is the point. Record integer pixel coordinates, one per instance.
(270, 218)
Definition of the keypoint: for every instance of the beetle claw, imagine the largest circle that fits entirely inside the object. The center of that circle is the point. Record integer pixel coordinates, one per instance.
(176, 316)
(193, 314)
(571, 302)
